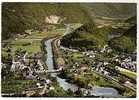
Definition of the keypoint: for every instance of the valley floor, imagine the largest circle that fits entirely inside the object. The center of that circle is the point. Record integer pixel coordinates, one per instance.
(24, 70)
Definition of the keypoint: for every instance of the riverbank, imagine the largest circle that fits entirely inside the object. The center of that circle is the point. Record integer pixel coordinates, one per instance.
(64, 84)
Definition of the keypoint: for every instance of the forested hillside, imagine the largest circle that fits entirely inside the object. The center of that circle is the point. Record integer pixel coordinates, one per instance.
(17, 17)
(89, 37)
(127, 42)
(112, 10)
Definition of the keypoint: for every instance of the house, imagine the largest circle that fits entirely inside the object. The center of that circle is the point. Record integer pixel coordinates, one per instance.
(15, 66)
(30, 76)
(39, 85)
(40, 65)
(92, 56)
(105, 63)
(106, 73)
(129, 65)
(48, 82)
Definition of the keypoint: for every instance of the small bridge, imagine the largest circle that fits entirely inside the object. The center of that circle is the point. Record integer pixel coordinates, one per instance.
(53, 71)
(49, 71)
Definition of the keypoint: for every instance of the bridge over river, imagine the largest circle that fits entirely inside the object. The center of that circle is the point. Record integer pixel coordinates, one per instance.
(48, 71)
(95, 91)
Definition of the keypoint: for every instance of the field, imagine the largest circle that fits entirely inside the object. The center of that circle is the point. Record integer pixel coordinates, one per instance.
(32, 43)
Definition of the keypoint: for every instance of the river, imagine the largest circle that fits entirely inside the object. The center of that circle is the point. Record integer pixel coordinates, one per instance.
(96, 91)
(50, 65)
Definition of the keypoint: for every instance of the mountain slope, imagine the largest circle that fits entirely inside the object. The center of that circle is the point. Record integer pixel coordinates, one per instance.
(112, 10)
(89, 37)
(127, 42)
(17, 17)
(86, 37)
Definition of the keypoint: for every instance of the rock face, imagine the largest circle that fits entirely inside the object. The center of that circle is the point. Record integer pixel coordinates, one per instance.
(53, 19)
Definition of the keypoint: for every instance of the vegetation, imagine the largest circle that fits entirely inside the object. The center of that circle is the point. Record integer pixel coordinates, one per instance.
(128, 73)
(123, 44)
(86, 37)
(25, 30)
(112, 10)
(14, 82)
(75, 61)
(127, 42)
(16, 85)
(24, 16)
(89, 37)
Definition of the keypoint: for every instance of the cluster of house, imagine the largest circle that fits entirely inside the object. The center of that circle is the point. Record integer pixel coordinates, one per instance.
(78, 68)
(129, 64)
(23, 62)
(126, 61)
(90, 54)
(30, 67)
(100, 67)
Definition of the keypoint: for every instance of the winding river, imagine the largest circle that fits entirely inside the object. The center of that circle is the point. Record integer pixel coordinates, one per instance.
(96, 91)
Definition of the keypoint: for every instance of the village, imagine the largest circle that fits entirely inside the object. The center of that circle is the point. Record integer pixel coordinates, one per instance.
(111, 66)
(72, 65)
(23, 60)
(87, 69)
(28, 67)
